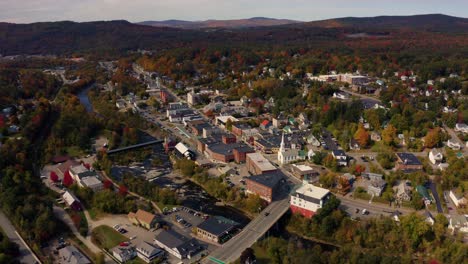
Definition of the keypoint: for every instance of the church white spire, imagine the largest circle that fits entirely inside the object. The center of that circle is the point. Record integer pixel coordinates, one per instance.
(282, 148)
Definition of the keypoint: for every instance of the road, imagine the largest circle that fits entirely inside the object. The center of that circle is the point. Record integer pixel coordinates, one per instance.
(433, 188)
(26, 254)
(231, 250)
(360, 95)
(350, 204)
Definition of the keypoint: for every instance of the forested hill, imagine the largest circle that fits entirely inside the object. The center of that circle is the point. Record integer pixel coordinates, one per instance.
(380, 34)
(430, 22)
(68, 37)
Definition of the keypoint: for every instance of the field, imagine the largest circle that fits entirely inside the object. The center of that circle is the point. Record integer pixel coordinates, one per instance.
(106, 237)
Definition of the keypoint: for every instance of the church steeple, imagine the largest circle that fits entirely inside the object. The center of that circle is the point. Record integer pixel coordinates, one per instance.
(282, 148)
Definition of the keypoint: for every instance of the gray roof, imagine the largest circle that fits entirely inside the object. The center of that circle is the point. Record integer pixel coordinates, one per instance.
(184, 245)
(215, 227)
(269, 179)
(408, 158)
(71, 254)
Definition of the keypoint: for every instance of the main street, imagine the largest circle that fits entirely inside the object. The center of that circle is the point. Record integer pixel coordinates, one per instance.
(25, 253)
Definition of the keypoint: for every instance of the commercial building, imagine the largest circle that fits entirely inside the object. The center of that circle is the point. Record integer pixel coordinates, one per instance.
(148, 252)
(407, 162)
(214, 230)
(308, 199)
(177, 245)
(257, 164)
(265, 185)
(124, 253)
(305, 173)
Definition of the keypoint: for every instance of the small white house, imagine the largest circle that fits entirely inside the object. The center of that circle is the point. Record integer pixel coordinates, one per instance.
(458, 199)
(435, 156)
(461, 127)
(453, 144)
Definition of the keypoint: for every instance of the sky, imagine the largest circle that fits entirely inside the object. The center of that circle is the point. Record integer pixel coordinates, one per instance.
(27, 11)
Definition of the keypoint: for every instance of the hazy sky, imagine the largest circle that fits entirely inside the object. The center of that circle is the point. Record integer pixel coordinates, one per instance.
(25, 11)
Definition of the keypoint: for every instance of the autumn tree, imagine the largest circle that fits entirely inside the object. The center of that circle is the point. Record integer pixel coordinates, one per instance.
(229, 124)
(123, 190)
(361, 136)
(54, 177)
(389, 135)
(433, 138)
(67, 179)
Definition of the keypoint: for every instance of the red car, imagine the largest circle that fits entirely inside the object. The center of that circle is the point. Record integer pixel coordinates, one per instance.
(124, 244)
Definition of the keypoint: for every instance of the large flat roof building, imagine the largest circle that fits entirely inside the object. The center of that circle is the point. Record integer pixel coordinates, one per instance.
(258, 164)
(308, 199)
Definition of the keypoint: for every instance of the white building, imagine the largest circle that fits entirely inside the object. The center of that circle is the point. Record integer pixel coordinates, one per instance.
(341, 95)
(435, 156)
(458, 222)
(124, 254)
(72, 255)
(286, 156)
(148, 252)
(308, 199)
(461, 127)
(458, 199)
(453, 144)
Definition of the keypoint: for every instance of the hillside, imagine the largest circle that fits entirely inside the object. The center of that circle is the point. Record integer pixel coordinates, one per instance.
(430, 22)
(212, 23)
(379, 34)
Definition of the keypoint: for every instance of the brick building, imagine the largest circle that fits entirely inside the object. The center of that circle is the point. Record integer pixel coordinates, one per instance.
(265, 185)
(258, 164)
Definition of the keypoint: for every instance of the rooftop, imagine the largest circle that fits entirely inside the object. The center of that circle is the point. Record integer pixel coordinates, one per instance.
(215, 227)
(310, 190)
(261, 162)
(269, 179)
(408, 158)
(303, 168)
(91, 181)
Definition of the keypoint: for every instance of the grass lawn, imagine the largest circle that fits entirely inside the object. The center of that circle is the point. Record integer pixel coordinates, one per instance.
(106, 237)
(75, 151)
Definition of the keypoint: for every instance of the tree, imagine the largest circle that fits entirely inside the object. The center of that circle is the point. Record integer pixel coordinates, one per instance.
(229, 124)
(123, 190)
(389, 135)
(248, 256)
(361, 136)
(433, 138)
(67, 179)
(54, 177)
(327, 180)
(107, 184)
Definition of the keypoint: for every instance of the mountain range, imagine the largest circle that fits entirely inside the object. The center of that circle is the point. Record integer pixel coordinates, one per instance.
(114, 37)
(213, 23)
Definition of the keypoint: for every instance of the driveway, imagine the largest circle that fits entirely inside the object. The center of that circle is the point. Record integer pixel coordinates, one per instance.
(433, 188)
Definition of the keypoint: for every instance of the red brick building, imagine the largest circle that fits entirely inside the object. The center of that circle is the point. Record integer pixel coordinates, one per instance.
(265, 185)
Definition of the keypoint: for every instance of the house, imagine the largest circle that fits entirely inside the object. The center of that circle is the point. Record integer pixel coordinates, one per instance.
(424, 194)
(458, 222)
(280, 120)
(265, 185)
(214, 230)
(453, 144)
(120, 104)
(341, 95)
(340, 157)
(435, 156)
(448, 109)
(305, 173)
(458, 198)
(265, 124)
(461, 127)
(428, 218)
(311, 139)
(70, 254)
(177, 245)
(403, 191)
(308, 199)
(257, 164)
(124, 253)
(91, 182)
(372, 176)
(354, 145)
(143, 218)
(65, 166)
(71, 201)
(407, 162)
(376, 187)
(148, 252)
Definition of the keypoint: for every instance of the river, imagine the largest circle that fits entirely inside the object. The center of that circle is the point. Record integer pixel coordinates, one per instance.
(84, 99)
